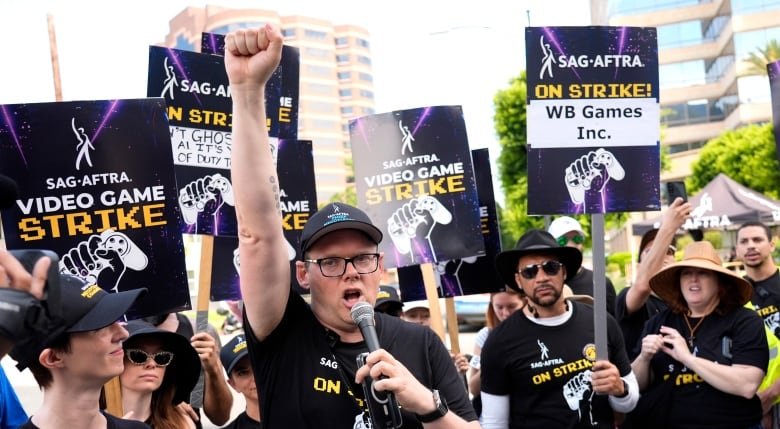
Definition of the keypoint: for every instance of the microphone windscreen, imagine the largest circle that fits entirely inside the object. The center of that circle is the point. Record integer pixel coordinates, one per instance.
(362, 311)
(9, 192)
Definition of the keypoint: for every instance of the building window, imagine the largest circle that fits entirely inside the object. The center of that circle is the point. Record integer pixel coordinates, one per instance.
(750, 6)
(314, 34)
(366, 77)
(319, 71)
(225, 29)
(344, 75)
(318, 88)
(366, 93)
(363, 43)
(318, 53)
(342, 58)
(184, 44)
(347, 110)
(345, 93)
(288, 32)
(320, 107)
(341, 41)
(364, 60)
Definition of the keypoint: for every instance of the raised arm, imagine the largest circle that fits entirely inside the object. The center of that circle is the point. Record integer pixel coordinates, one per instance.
(673, 218)
(251, 56)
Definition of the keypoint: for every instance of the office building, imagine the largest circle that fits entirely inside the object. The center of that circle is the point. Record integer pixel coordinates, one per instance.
(336, 80)
(706, 85)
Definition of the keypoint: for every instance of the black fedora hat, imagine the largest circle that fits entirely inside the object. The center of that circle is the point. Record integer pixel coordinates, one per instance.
(536, 241)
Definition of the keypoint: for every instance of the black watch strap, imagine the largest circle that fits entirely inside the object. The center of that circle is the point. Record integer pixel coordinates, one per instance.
(625, 390)
(440, 411)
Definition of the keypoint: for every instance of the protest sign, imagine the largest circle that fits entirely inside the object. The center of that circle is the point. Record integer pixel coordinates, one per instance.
(97, 187)
(468, 275)
(773, 70)
(282, 111)
(298, 201)
(593, 119)
(414, 178)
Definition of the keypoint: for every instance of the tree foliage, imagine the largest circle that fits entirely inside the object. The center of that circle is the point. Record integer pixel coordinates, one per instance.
(758, 60)
(747, 155)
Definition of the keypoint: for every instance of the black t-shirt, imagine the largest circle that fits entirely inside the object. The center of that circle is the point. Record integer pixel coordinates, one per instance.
(243, 421)
(766, 301)
(582, 284)
(301, 386)
(633, 324)
(546, 370)
(111, 423)
(735, 338)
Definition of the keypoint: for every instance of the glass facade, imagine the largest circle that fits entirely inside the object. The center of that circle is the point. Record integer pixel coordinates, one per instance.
(628, 7)
(184, 44)
(750, 6)
(225, 29)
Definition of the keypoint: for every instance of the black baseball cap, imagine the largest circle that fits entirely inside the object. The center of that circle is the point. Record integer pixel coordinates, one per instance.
(83, 307)
(387, 294)
(335, 217)
(232, 352)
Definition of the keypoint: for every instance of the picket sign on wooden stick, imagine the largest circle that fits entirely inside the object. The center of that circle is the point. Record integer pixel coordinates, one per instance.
(202, 307)
(432, 294)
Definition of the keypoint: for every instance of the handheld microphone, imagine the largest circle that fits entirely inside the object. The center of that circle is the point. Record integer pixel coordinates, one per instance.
(9, 192)
(363, 315)
(382, 406)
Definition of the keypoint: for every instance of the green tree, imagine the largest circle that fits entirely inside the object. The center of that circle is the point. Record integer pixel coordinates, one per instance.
(510, 124)
(747, 155)
(348, 196)
(758, 60)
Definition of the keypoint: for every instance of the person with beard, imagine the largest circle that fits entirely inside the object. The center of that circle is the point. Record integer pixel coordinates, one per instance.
(538, 366)
(754, 248)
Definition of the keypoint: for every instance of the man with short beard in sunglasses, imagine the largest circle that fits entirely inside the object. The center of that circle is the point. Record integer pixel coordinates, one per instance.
(539, 367)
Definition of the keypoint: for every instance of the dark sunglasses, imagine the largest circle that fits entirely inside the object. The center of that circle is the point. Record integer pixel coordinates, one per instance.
(140, 357)
(577, 239)
(550, 268)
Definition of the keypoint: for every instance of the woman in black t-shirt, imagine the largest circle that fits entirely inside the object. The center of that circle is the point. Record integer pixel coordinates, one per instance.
(711, 349)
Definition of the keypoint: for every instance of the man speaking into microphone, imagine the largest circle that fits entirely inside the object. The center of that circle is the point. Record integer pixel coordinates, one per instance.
(304, 356)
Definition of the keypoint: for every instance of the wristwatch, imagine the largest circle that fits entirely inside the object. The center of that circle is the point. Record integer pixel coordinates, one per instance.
(625, 390)
(439, 412)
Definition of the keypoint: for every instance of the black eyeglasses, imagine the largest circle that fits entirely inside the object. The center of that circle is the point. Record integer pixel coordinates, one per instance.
(140, 357)
(550, 268)
(334, 266)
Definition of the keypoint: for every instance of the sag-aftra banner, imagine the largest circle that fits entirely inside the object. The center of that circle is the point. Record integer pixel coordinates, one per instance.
(593, 119)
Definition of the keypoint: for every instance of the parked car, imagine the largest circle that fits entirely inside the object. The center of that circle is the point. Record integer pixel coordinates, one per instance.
(471, 309)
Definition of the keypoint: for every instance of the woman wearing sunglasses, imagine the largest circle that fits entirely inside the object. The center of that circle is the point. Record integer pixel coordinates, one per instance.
(161, 368)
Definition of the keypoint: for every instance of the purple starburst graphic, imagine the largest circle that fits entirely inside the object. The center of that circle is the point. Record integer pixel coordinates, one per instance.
(9, 123)
(621, 45)
(180, 67)
(426, 112)
(111, 110)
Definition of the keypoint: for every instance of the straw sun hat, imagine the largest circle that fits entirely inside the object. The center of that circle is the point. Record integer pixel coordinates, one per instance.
(699, 254)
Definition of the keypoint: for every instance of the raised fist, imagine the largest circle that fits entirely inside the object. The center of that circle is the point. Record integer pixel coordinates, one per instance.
(195, 196)
(416, 219)
(591, 172)
(103, 259)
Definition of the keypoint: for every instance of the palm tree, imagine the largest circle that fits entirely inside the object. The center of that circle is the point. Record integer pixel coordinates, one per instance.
(767, 55)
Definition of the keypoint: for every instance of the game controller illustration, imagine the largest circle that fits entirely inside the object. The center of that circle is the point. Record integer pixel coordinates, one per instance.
(193, 198)
(405, 223)
(103, 259)
(592, 172)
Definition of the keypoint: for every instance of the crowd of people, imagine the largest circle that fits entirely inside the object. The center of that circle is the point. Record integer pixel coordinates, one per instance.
(688, 343)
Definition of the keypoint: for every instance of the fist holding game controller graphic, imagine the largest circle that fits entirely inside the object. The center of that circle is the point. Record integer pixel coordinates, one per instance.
(416, 219)
(103, 259)
(195, 196)
(591, 173)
